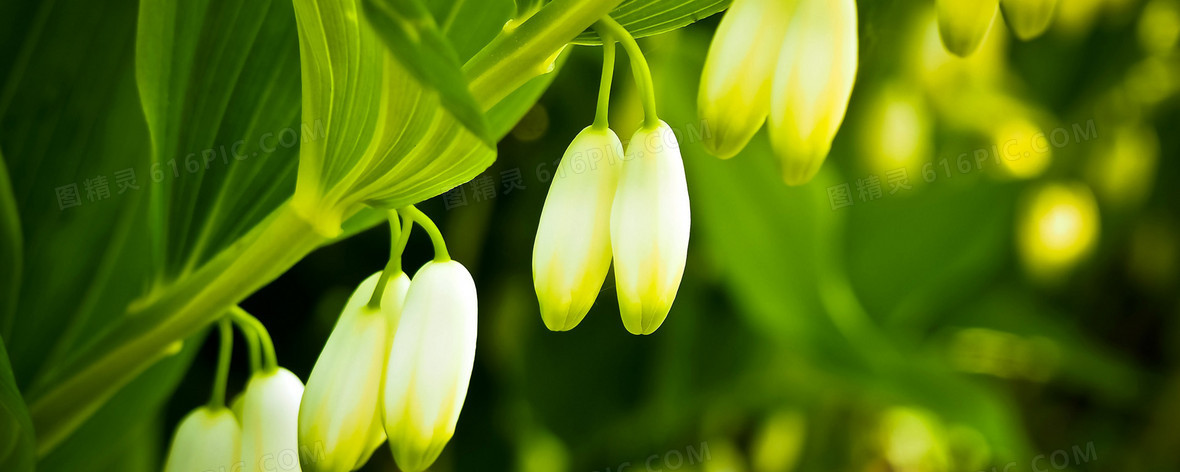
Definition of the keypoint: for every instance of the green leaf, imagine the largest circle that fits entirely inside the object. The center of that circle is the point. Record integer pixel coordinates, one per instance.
(114, 428)
(17, 451)
(220, 91)
(470, 25)
(651, 17)
(412, 35)
(11, 246)
(73, 123)
(389, 142)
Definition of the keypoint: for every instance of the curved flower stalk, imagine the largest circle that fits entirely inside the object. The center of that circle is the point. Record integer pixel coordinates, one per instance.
(734, 97)
(431, 357)
(340, 410)
(270, 405)
(572, 252)
(812, 85)
(207, 439)
(962, 24)
(1028, 18)
(353, 165)
(649, 228)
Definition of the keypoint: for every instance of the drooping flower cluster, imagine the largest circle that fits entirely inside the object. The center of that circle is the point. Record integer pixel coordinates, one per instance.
(396, 367)
(964, 23)
(792, 63)
(606, 204)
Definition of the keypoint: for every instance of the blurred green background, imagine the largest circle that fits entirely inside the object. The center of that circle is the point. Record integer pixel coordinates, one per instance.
(905, 332)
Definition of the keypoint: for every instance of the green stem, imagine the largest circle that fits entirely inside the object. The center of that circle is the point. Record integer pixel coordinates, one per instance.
(66, 397)
(608, 71)
(252, 346)
(269, 360)
(398, 237)
(516, 55)
(638, 65)
(66, 394)
(217, 399)
(440, 246)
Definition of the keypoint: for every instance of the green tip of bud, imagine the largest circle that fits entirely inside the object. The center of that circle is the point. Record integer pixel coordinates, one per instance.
(962, 24)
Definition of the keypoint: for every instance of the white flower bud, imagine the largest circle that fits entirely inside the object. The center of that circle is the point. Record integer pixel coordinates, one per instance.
(812, 85)
(340, 410)
(270, 417)
(206, 439)
(430, 364)
(734, 97)
(962, 24)
(571, 255)
(649, 228)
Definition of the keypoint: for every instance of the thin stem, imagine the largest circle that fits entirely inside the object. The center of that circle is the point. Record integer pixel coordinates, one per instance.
(638, 65)
(217, 400)
(64, 397)
(608, 72)
(516, 55)
(269, 361)
(398, 237)
(251, 346)
(440, 246)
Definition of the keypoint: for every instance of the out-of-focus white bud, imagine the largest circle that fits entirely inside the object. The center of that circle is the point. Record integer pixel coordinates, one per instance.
(340, 409)
(649, 228)
(270, 417)
(963, 24)
(734, 97)
(206, 439)
(572, 253)
(430, 364)
(812, 85)
(1028, 18)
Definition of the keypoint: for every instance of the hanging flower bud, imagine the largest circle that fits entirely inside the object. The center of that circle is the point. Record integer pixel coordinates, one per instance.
(734, 97)
(206, 439)
(1028, 18)
(270, 416)
(430, 364)
(572, 252)
(963, 24)
(812, 85)
(340, 410)
(649, 227)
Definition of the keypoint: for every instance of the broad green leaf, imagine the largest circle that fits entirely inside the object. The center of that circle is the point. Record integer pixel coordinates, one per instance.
(116, 425)
(410, 32)
(943, 240)
(17, 450)
(470, 25)
(652, 17)
(218, 81)
(78, 153)
(73, 139)
(11, 246)
(389, 142)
